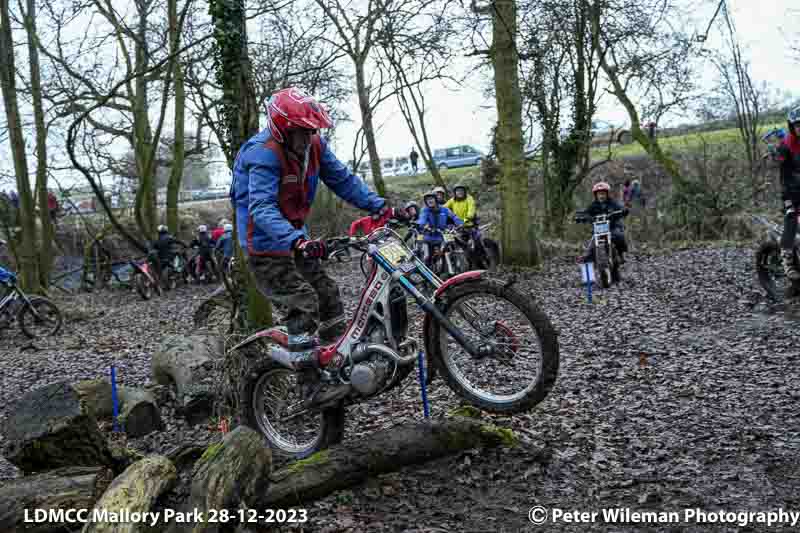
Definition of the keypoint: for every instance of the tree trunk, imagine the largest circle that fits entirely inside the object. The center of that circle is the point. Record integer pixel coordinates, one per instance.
(178, 149)
(50, 427)
(229, 473)
(26, 248)
(234, 74)
(145, 207)
(64, 488)
(136, 490)
(46, 254)
(385, 451)
(519, 240)
(369, 129)
(188, 363)
(138, 412)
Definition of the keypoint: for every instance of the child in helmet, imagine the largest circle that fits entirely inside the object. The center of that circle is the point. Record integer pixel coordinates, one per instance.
(603, 203)
(204, 244)
(787, 154)
(412, 211)
(462, 204)
(441, 195)
(433, 219)
(225, 244)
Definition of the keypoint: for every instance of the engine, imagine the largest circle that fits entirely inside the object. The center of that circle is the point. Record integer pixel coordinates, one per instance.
(370, 376)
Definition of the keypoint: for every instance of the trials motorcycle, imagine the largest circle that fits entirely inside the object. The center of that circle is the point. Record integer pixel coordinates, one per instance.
(606, 256)
(492, 344)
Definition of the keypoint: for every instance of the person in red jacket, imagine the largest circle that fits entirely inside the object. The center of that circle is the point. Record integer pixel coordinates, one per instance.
(372, 222)
(217, 232)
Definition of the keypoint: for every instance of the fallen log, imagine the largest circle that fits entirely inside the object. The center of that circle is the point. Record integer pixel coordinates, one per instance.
(187, 361)
(230, 473)
(343, 466)
(50, 427)
(134, 491)
(138, 411)
(64, 488)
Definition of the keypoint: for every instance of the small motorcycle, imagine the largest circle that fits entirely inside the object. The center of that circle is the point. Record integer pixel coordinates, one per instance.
(769, 266)
(490, 342)
(205, 271)
(606, 255)
(177, 269)
(144, 281)
(483, 253)
(37, 317)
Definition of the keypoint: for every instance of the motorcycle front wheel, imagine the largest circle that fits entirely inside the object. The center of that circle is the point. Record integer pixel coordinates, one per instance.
(603, 267)
(523, 364)
(143, 286)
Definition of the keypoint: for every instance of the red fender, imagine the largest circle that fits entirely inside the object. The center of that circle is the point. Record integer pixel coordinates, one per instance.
(278, 335)
(458, 278)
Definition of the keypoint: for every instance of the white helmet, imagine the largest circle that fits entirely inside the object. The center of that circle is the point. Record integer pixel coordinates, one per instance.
(202, 228)
(162, 228)
(223, 221)
(228, 227)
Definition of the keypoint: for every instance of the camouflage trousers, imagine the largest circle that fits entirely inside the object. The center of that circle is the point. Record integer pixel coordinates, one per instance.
(301, 289)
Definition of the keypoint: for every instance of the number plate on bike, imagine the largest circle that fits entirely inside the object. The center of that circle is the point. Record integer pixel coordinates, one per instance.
(394, 253)
(601, 227)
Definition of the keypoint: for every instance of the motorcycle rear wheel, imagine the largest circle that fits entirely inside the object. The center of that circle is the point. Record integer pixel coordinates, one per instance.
(268, 388)
(524, 340)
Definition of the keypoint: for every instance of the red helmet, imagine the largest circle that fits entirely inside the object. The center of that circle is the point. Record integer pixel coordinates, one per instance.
(290, 109)
(601, 186)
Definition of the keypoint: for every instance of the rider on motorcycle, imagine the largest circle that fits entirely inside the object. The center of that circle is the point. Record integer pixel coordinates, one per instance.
(788, 156)
(433, 219)
(275, 178)
(161, 251)
(462, 204)
(412, 211)
(604, 204)
(441, 195)
(204, 244)
(374, 221)
(6, 276)
(225, 244)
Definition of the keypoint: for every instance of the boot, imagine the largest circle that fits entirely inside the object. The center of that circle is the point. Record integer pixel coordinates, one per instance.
(304, 347)
(787, 258)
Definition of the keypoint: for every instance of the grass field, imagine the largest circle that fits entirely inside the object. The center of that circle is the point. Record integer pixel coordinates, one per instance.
(408, 185)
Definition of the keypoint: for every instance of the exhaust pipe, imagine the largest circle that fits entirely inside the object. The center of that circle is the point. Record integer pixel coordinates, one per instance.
(362, 352)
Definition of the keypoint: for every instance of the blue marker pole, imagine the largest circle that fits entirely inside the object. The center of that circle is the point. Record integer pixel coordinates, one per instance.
(114, 401)
(588, 281)
(423, 387)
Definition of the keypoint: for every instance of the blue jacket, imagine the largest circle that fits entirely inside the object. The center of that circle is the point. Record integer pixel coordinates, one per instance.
(6, 275)
(438, 221)
(272, 204)
(225, 243)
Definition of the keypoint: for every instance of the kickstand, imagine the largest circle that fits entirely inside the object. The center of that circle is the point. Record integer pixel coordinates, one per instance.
(422, 385)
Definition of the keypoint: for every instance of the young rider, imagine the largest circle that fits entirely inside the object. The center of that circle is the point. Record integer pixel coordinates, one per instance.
(225, 244)
(788, 156)
(441, 195)
(275, 178)
(6, 276)
(603, 204)
(433, 219)
(374, 221)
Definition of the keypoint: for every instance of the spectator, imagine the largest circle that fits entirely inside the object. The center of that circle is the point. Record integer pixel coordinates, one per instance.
(626, 194)
(52, 205)
(636, 192)
(651, 130)
(14, 199)
(414, 156)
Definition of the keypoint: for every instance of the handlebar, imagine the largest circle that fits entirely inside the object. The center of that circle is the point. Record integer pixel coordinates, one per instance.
(582, 217)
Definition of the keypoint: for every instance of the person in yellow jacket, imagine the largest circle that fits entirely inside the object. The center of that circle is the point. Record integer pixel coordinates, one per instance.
(462, 204)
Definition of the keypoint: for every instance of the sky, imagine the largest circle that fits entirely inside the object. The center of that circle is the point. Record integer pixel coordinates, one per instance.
(464, 115)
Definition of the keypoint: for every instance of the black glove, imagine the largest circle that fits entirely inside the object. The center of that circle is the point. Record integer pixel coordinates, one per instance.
(312, 249)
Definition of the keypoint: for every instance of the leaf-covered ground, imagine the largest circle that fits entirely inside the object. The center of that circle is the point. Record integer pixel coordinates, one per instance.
(676, 389)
